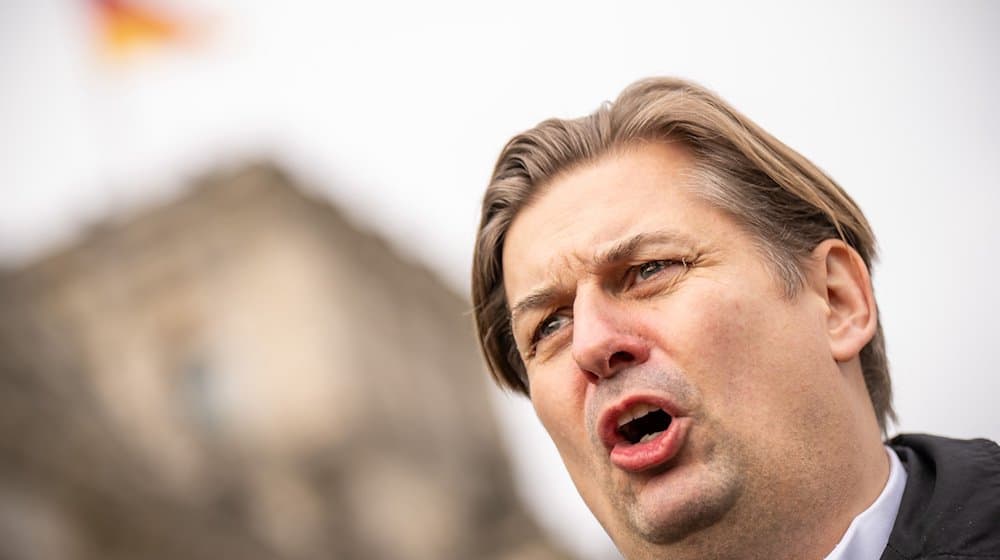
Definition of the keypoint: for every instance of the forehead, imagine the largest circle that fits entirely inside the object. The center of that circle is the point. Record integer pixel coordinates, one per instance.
(581, 213)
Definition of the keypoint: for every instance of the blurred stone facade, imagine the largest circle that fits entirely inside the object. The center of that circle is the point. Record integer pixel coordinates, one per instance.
(242, 373)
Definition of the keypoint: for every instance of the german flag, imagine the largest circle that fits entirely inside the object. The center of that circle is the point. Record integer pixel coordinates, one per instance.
(127, 27)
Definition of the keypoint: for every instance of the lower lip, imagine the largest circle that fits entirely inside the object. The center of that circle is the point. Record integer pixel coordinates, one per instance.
(637, 457)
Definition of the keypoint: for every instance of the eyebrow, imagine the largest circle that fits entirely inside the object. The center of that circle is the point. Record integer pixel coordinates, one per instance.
(627, 248)
(622, 250)
(537, 299)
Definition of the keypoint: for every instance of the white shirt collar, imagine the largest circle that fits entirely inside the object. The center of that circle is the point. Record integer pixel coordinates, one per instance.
(869, 532)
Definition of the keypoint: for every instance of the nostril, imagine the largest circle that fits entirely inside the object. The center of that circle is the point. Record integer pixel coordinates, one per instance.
(619, 358)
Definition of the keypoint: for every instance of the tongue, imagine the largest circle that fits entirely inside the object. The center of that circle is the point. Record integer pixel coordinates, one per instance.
(641, 429)
(652, 448)
(648, 437)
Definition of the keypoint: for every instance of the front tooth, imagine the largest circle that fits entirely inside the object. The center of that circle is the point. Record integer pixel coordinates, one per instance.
(627, 417)
(637, 411)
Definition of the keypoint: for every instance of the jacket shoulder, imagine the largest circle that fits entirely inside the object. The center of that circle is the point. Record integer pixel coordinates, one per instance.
(951, 504)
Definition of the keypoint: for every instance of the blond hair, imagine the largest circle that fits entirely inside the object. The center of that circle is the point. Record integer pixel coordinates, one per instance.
(786, 203)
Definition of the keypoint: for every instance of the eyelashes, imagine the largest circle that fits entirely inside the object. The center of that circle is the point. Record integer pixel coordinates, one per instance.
(644, 272)
(549, 325)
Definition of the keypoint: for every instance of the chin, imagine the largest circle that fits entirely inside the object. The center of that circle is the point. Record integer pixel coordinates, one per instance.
(681, 522)
(682, 503)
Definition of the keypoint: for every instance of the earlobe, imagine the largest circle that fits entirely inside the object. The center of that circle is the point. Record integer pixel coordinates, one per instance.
(851, 313)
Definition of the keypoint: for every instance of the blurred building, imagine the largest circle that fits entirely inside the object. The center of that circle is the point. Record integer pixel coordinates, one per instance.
(243, 373)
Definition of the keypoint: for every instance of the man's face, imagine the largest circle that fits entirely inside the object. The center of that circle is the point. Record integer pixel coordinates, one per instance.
(683, 389)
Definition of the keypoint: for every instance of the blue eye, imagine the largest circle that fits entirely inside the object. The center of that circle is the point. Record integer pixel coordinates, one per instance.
(549, 325)
(647, 270)
(665, 269)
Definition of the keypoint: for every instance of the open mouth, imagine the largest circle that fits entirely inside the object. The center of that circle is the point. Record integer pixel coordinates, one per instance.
(640, 434)
(642, 423)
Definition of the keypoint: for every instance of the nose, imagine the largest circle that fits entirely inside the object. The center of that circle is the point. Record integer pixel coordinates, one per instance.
(605, 341)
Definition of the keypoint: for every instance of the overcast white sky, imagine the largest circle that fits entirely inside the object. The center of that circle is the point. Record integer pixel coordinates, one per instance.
(398, 110)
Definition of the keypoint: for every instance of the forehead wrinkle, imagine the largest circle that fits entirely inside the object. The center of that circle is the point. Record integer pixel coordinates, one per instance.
(544, 295)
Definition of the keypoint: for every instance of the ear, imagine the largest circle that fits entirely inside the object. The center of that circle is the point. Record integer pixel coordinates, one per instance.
(844, 281)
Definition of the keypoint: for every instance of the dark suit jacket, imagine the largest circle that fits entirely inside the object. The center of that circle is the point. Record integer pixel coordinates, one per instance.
(951, 505)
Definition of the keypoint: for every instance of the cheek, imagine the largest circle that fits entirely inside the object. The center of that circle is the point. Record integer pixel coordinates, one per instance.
(561, 409)
(741, 350)
(558, 396)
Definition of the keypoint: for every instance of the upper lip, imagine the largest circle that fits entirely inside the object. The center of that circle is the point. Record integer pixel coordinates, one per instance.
(608, 419)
